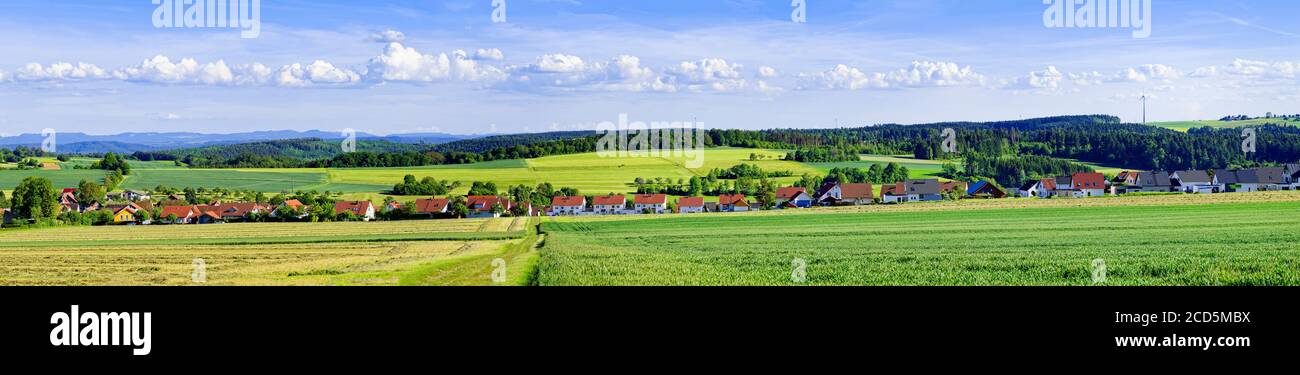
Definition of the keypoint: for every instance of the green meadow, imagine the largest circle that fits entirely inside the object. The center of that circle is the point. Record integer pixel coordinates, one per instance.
(1183, 126)
(1240, 241)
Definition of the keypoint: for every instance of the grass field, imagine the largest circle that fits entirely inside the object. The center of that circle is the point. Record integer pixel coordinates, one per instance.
(1183, 126)
(382, 253)
(1227, 239)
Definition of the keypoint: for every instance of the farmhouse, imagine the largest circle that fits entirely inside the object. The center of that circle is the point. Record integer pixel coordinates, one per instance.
(657, 203)
(491, 206)
(124, 214)
(432, 206)
(1260, 179)
(957, 188)
(1152, 182)
(1040, 188)
(1197, 182)
(236, 211)
(1123, 181)
(793, 197)
(179, 215)
(835, 193)
(609, 204)
(985, 189)
(690, 205)
(391, 206)
(732, 203)
(1089, 184)
(567, 206)
(68, 201)
(363, 210)
(913, 191)
(1228, 179)
(128, 196)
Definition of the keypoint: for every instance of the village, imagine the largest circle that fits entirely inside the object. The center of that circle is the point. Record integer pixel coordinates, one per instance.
(138, 208)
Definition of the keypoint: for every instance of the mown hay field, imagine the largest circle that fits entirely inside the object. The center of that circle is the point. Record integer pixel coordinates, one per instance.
(384, 253)
(1230, 239)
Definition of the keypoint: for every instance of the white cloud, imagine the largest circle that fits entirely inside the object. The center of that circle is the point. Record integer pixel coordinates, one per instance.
(3, 76)
(920, 74)
(1208, 71)
(161, 69)
(403, 64)
(318, 72)
(492, 54)
(568, 72)
(1264, 69)
(710, 74)
(1047, 79)
(388, 36)
(767, 72)
(1086, 78)
(1148, 72)
(59, 71)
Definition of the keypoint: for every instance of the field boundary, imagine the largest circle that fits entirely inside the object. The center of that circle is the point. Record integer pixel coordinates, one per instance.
(408, 237)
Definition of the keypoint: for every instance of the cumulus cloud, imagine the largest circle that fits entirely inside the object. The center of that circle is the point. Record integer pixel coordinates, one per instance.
(920, 74)
(318, 72)
(59, 71)
(1146, 73)
(388, 36)
(1264, 69)
(1087, 78)
(403, 64)
(767, 72)
(161, 69)
(492, 54)
(1047, 79)
(568, 72)
(710, 74)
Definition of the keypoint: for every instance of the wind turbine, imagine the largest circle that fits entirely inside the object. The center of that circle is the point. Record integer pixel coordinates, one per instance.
(1144, 108)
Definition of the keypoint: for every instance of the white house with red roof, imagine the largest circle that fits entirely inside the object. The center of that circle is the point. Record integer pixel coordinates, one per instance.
(690, 205)
(431, 206)
(567, 206)
(732, 203)
(657, 203)
(362, 209)
(609, 204)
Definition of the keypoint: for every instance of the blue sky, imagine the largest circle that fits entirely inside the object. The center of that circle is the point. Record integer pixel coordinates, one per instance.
(102, 67)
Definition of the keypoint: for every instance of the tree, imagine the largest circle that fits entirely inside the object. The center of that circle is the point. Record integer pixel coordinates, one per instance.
(88, 192)
(4, 202)
(35, 198)
(191, 196)
(498, 209)
(459, 207)
(143, 215)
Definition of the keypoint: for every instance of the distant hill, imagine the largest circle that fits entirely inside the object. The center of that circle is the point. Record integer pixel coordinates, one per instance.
(285, 152)
(154, 141)
(488, 143)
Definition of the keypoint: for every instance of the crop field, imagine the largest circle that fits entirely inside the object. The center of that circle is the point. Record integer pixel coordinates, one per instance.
(264, 180)
(1244, 239)
(1183, 126)
(313, 254)
(586, 172)
(61, 178)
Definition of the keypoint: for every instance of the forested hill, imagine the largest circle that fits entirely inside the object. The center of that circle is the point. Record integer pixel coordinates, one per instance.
(271, 154)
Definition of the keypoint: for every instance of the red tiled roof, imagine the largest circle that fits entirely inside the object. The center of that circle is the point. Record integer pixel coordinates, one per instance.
(1088, 181)
(957, 186)
(789, 192)
(356, 207)
(609, 200)
(1049, 184)
(894, 189)
(856, 191)
(431, 205)
(691, 202)
(293, 203)
(69, 190)
(181, 212)
(650, 199)
(238, 209)
(563, 201)
(738, 199)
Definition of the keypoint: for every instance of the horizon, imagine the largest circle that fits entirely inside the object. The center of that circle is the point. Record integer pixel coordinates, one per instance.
(399, 67)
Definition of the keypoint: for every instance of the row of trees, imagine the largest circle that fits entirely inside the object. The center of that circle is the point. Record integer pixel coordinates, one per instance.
(426, 186)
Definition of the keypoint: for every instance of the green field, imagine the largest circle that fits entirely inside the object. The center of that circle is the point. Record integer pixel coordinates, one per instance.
(1183, 126)
(1181, 240)
(61, 178)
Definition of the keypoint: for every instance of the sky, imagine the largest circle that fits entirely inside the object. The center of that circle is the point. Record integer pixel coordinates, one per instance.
(474, 66)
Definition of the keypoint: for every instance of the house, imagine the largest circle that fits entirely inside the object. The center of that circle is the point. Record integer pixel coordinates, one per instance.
(567, 206)
(793, 197)
(124, 214)
(183, 214)
(1196, 182)
(609, 204)
(68, 201)
(1260, 179)
(132, 196)
(483, 206)
(237, 211)
(913, 191)
(1038, 188)
(1291, 176)
(1152, 182)
(957, 188)
(1228, 179)
(432, 206)
(835, 193)
(985, 189)
(656, 203)
(363, 210)
(732, 203)
(690, 205)
(711, 207)
(174, 197)
(392, 206)
(1088, 184)
(1122, 181)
